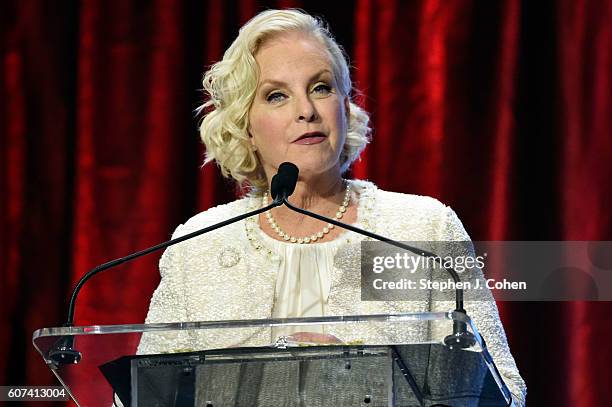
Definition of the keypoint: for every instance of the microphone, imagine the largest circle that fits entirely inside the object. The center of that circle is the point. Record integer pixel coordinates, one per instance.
(460, 338)
(283, 183)
(63, 351)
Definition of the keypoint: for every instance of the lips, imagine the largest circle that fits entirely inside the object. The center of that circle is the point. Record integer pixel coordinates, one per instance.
(314, 137)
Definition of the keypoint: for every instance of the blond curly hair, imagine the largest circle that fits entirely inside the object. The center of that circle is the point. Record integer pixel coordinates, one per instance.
(230, 86)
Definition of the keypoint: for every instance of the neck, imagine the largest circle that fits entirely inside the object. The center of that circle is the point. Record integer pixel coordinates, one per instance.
(321, 194)
(314, 191)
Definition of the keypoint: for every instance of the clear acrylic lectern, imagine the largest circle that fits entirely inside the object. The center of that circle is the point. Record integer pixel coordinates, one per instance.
(383, 360)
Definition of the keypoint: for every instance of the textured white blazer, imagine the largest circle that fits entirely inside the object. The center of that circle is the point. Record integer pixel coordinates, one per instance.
(230, 274)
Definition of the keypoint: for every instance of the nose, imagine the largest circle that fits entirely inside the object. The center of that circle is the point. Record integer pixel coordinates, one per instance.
(305, 110)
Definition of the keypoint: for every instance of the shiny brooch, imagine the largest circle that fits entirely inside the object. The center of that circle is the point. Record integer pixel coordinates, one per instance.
(228, 257)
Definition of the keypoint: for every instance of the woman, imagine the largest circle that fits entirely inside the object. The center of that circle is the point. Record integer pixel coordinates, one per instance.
(282, 93)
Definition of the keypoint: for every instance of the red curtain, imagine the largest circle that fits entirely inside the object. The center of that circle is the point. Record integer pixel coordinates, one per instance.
(499, 109)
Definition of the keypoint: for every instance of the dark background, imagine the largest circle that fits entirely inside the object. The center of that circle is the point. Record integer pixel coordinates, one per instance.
(499, 109)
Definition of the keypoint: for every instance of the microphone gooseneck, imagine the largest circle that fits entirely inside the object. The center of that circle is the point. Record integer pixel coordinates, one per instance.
(63, 352)
(460, 338)
(282, 186)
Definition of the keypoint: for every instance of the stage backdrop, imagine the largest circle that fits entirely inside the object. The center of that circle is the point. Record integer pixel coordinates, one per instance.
(499, 109)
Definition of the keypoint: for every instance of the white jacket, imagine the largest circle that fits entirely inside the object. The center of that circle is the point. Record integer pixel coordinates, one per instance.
(229, 274)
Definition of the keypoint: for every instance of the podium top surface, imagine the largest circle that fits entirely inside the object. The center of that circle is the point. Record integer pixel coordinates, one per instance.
(252, 323)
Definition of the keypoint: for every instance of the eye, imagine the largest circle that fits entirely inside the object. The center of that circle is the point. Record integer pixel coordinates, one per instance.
(275, 97)
(322, 88)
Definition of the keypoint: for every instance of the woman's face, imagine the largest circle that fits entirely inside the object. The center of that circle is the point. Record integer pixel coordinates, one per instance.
(298, 113)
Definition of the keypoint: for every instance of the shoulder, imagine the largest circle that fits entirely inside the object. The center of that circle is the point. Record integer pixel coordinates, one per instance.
(420, 204)
(198, 250)
(211, 216)
(412, 216)
(388, 201)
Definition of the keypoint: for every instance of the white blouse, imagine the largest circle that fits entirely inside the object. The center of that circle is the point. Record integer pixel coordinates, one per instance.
(303, 280)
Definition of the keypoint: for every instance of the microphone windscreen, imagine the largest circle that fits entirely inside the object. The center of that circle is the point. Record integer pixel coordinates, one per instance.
(283, 183)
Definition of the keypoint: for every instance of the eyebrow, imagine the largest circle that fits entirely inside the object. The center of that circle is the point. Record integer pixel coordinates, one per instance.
(281, 83)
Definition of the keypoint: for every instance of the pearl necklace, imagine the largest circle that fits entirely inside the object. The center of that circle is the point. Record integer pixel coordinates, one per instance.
(313, 238)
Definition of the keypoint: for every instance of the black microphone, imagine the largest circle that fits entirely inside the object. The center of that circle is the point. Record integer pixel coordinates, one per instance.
(63, 351)
(283, 183)
(460, 338)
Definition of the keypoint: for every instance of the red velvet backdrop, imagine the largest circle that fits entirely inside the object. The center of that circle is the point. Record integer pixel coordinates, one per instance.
(499, 109)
